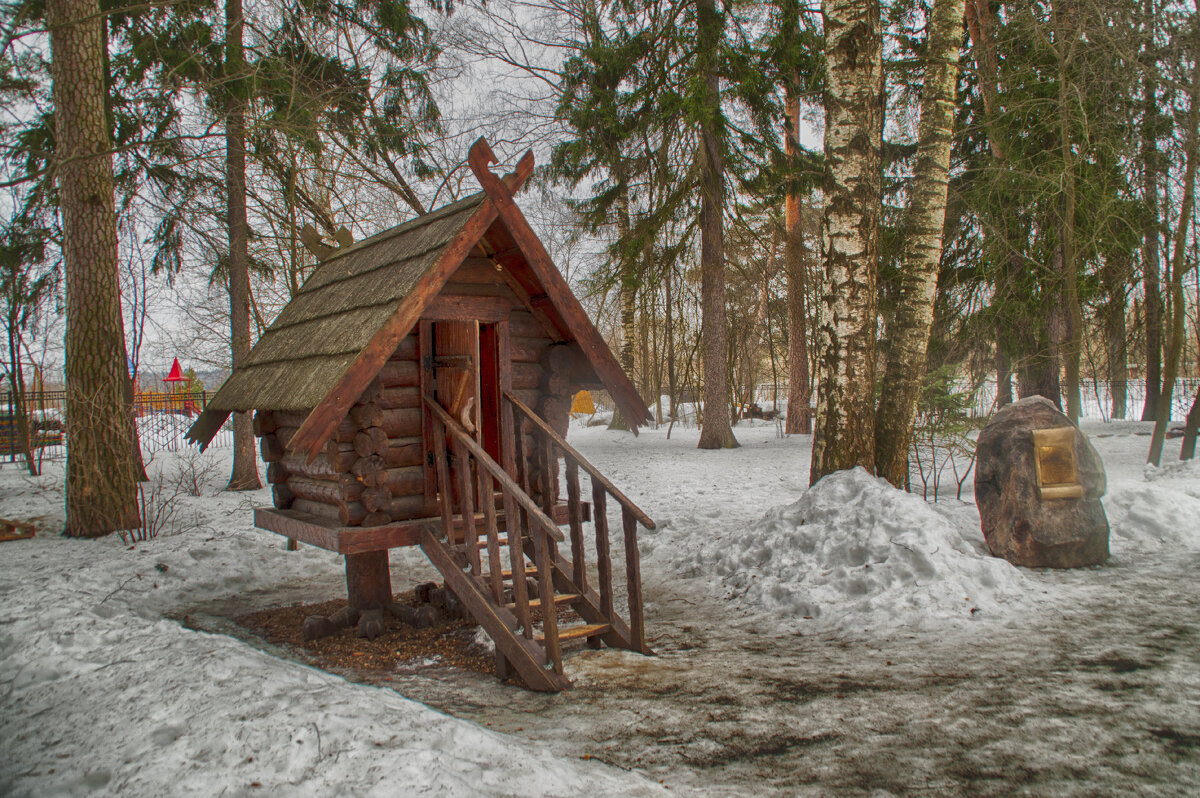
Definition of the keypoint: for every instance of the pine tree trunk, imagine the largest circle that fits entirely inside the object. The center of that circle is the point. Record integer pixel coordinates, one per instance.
(245, 461)
(101, 486)
(908, 334)
(799, 412)
(1114, 277)
(1178, 266)
(1150, 248)
(845, 435)
(716, 431)
(1069, 343)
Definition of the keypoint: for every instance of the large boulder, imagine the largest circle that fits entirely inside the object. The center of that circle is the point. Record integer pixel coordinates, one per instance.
(1052, 525)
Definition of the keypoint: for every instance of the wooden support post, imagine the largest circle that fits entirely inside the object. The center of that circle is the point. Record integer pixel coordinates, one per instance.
(467, 506)
(368, 580)
(544, 546)
(603, 556)
(633, 578)
(445, 491)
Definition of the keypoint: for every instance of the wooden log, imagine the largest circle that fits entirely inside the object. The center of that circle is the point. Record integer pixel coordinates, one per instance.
(528, 350)
(339, 456)
(365, 416)
(343, 432)
(326, 511)
(377, 499)
(320, 468)
(376, 519)
(264, 423)
(404, 423)
(270, 448)
(368, 580)
(407, 349)
(399, 398)
(351, 513)
(371, 393)
(277, 472)
(370, 470)
(282, 496)
(522, 324)
(404, 452)
(527, 375)
(407, 481)
(326, 492)
(370, 441)
(399, 373)
(402, 508)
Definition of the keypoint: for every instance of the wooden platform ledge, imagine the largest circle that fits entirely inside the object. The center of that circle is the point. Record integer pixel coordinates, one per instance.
(325, 534)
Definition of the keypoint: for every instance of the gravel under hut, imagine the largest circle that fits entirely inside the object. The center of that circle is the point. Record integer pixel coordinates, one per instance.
(450, 642)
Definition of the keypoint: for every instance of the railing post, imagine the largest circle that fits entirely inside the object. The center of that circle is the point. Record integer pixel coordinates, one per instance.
(575, 510)
(467, 506)
(633, 578)
(603, 556)
(443, 481)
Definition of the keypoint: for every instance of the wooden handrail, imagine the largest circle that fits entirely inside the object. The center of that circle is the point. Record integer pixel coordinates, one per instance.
(493, 468)
(569, 450)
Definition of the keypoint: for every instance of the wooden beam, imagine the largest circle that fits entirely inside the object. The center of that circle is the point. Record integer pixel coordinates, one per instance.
(487, 309)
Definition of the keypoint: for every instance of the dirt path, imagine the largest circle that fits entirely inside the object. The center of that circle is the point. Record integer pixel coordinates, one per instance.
(1101, 698)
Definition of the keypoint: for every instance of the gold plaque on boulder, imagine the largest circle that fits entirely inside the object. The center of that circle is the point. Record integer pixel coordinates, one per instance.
(1054, 459)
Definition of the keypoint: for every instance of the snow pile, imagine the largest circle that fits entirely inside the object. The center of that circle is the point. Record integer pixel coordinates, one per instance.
(1160, 510)
(854, 550)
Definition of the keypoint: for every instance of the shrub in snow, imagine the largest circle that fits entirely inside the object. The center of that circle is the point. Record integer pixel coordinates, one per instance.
(854, 549)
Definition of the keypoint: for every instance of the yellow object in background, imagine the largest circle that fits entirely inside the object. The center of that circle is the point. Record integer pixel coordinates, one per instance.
(582, 403)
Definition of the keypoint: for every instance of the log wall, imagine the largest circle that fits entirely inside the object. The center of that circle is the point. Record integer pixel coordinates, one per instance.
(371, 470)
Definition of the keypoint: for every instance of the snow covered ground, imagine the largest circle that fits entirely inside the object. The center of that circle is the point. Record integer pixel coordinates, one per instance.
(848, 639)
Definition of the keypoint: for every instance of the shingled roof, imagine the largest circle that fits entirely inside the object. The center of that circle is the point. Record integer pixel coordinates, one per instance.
(337, 311)
(355, 308)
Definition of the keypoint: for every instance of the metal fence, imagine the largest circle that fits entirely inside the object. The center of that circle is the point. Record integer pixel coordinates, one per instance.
(162, 421)
(1096, 396)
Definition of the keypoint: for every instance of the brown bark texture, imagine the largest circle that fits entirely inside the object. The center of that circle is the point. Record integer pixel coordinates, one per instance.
(245, 465)
(101, 483)
(1066, 35)
(799, 413)
(1179, 265)
(716, 431)
(908, 334)
(628, 298)
(1149, 158)
(845, 435)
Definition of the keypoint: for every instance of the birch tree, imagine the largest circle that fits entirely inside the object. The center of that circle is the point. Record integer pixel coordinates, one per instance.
(908, 334)
(846, 332)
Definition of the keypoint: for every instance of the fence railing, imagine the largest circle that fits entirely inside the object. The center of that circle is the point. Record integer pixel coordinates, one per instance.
(162, 422)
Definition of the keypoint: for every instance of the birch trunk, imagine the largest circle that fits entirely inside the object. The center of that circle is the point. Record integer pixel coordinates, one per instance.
(101, 483)
(908, 334)
(845, 435)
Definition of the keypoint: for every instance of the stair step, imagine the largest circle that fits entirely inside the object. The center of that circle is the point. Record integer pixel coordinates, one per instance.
(483, 544)
(576, 632)
(530, 570)
(536, 603)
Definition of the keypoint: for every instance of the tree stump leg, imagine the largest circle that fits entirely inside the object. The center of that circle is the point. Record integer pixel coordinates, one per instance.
(369, 586)
(318, 626)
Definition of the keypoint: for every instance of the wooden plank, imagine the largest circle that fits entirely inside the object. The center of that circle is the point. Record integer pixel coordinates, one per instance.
(323, 420)
(584, 630)
(445, 492)
(499, 623)
(466, 497)
(572, 453)
(633, 578)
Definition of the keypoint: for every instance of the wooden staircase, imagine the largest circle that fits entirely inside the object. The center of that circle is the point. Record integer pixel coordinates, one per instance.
(519, 614)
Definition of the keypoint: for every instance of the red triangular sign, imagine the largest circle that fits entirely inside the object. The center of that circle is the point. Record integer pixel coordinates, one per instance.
(176, 374)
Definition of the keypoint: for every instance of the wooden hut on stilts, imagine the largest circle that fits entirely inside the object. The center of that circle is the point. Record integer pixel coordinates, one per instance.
(416, 392)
